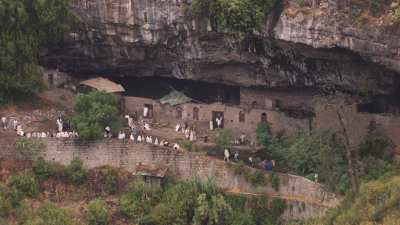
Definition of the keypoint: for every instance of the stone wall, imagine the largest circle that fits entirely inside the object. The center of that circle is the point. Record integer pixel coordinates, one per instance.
(305, 198)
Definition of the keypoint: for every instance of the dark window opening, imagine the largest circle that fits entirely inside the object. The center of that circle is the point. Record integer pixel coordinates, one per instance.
(263, 117)
(51, 79)
(242, 117)
(145, 18)
(195, 113)
(254, 105)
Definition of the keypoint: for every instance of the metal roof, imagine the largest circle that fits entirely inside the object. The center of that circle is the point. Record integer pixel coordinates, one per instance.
(103, 84)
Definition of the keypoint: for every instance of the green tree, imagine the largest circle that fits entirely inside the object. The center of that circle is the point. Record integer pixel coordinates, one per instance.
(98, 213)
(25, 25)
(95, 111)
(224, 139)
(212, 210)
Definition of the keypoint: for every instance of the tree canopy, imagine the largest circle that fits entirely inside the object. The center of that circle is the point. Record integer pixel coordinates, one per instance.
(25, 25)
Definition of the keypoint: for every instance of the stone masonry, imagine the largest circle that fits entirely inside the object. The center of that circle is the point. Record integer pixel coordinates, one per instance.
(305, 198)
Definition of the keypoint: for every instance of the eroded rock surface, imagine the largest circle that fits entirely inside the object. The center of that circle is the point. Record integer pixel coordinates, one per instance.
(298, 48)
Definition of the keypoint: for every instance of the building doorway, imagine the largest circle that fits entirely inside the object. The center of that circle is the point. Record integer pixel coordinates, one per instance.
(148, 111)
(218, 116)
(254, 105)
(264, 118)
(242, 118)
(196, 113)
(179, 113)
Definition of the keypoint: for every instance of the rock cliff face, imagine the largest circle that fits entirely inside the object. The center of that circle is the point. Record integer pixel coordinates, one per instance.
(300, 46)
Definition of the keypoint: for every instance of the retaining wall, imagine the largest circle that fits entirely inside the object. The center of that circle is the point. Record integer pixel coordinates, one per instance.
(305, 198)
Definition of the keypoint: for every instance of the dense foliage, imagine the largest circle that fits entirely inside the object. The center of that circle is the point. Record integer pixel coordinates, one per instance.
(98, 213)
(243, 16)
(76, 173)
(47, 214)
(322, 152)
(95, 110)
(24, 26)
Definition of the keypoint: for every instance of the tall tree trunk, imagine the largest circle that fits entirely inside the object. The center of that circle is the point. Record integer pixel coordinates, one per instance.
(352, 161)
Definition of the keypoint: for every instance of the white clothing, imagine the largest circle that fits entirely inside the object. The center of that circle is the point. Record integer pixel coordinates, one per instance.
(4, 122)
(176, 146)
(226, 155)
(132, 137)
(139, 138)
(15, 123)
(145, 111)
(156, 141)
(130, 122)
(187, 133)
(28, 135)
(146, 126)
(60, 125)
(177, 127)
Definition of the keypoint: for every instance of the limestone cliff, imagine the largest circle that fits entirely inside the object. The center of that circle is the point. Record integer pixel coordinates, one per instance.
(309, 45)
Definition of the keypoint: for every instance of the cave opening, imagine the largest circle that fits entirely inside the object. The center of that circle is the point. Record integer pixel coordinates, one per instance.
(199, 91)
(382, 104)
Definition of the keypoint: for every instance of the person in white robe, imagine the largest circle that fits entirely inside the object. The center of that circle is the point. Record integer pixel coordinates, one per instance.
(211, 125)
(156, 141)
(60, 125)
(15, 124)
(28, 135)
(4, 122)
(192, 135)
(107, 133)
(177, 127)
(176, 146)
(150, 140)
(132, 138)
(147, 126)
(139, 139)
(187, 133)
(226, 155)
(120, 135)
(145, 112)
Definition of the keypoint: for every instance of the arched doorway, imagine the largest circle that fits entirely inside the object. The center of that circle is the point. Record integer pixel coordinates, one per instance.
(264, 118)
(195, 113)
(242, 118)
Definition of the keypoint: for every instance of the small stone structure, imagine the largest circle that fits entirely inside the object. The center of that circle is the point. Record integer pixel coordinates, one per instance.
(305, 198)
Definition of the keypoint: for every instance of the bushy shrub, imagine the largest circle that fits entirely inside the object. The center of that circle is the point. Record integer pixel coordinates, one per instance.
(25, 184)
(5, 200)
(224, 139)
(256, 178)
(76, 173)
(41, 169)
(241, 16)
(49, 214)
(109, 180)
(275, 181)
(95, 111)
(98, 213)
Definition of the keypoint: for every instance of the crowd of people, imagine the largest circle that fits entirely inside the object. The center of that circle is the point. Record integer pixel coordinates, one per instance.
(15, 125)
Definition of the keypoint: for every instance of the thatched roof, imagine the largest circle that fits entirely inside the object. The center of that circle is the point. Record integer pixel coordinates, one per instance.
(151, 170)
(103, 84)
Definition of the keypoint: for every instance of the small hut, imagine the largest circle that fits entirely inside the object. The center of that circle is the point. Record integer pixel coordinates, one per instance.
(152, 174)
